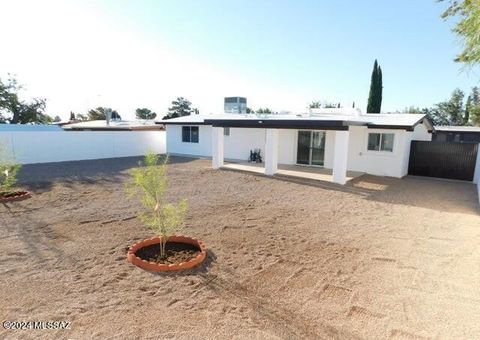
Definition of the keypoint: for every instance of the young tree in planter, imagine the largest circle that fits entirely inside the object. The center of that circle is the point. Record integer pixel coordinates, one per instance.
(8, 171)
(150, 181)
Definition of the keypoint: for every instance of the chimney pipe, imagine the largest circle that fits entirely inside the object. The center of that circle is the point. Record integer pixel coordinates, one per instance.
(108, 116)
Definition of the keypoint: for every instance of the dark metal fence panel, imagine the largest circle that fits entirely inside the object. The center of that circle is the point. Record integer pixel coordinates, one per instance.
(443, 160)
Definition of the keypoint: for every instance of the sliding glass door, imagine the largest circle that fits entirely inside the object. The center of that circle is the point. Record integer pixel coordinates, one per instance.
(303, 149)
(311, 148)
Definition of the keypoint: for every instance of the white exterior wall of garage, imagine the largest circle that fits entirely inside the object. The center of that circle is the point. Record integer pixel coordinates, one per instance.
(240, 141)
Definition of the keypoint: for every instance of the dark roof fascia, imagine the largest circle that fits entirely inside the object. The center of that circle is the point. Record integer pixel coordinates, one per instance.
(111, 129)
(440, 130)
(391, 127)
(280, 124)
(182, 123)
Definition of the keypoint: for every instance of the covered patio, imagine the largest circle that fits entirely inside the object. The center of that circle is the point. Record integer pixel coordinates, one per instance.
(338, 174)
(299, 171)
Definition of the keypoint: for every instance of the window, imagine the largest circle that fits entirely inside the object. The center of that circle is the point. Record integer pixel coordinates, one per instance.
(190, 134)
(226, 131)
(380, 141)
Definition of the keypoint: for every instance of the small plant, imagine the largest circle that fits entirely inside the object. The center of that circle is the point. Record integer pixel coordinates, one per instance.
(150, 181)
(8, 170)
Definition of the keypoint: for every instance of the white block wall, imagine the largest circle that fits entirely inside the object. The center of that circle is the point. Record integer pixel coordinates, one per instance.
(58, 146)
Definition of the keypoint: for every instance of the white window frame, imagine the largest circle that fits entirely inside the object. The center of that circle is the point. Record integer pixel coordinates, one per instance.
(190, 134)
(381, 133)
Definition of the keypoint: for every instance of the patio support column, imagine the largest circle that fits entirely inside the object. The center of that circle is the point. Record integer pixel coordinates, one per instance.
(340, 157)
(217, 147)
(271, 152)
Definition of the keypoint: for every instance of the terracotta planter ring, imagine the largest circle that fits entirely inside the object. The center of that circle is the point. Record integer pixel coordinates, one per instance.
(160, 267)
(15, 196)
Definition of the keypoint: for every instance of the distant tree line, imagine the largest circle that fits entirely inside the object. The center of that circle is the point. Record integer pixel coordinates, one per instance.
(180, 107)
(317, 104)
(100, 113)
(144, 113)
(14, 110)
(454, 111)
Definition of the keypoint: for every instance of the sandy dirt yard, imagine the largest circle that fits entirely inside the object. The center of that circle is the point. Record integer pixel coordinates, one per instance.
(288, 258)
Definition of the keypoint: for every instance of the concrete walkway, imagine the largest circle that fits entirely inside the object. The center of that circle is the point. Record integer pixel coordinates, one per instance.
(308, 172)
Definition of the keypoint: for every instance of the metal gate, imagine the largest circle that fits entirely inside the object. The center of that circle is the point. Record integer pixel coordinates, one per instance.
(443, 160)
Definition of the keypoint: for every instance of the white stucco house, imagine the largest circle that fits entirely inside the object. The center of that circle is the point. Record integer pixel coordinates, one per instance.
(340, 140)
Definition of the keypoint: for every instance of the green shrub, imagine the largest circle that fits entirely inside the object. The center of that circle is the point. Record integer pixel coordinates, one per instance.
(8, 170)
(150, 183)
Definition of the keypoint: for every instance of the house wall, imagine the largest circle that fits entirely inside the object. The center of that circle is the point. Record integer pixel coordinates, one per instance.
(175, 145)
(57, 146)
(242, 140)
(360, 159)
(375, 162)
(380, 163)
(287, 146)
(476, 176)
(237, 145)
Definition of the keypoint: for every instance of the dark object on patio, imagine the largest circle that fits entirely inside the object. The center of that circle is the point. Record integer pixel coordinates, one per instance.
(255, 156)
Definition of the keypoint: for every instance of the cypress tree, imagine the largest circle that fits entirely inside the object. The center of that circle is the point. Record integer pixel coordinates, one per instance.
(371, 95)
(376, 85)
(379, 90)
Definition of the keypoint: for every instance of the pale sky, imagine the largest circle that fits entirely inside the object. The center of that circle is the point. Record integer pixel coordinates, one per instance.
(279, 54)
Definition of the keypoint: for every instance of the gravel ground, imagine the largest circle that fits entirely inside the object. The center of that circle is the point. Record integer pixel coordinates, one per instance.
(380, 258)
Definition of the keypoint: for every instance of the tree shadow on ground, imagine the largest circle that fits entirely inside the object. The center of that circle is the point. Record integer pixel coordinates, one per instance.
(200, 270)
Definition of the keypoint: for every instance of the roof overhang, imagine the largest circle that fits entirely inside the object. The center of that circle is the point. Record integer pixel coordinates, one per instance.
(457, 129)
(166, 122)
(308, 124)
(424, 120)
(280, 123)
(115, 128)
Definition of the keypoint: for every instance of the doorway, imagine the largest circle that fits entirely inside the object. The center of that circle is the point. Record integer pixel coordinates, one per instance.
(311, 148)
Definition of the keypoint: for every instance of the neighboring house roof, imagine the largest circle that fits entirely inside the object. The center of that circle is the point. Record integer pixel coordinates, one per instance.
(306, 120)
(115, 125)
(475, 129)
(29, 127)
